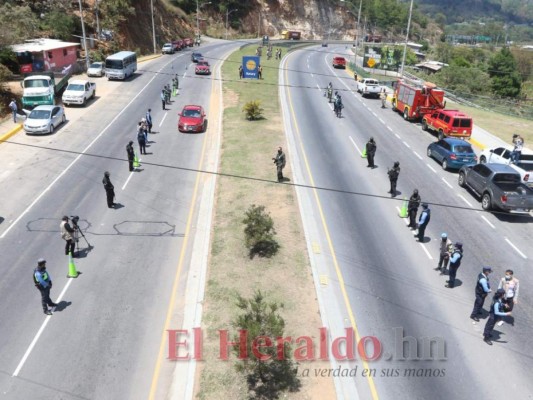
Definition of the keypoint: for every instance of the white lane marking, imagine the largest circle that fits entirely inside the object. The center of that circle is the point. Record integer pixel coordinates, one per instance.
(446, 182)
(516, 248)
(431, 168)
(398, 136)
(465, 200)
(129, 177)
(426, 250)
(488, 222)
(380, 120)
(418, 155)
(373, 112)
(312, 75)
(39, 332)
(389, 128)
(318, 86)
(406, 145)
(79, 155)
(162, 119)
(359, 151)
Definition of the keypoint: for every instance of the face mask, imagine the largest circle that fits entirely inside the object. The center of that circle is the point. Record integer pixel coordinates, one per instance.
(508, 277)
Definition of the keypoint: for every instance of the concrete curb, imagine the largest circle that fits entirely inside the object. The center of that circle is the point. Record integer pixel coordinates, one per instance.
(476, 143)
(148, 58)
(12, 132)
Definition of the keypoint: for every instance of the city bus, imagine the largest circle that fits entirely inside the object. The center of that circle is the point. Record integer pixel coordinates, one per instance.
(121, 65)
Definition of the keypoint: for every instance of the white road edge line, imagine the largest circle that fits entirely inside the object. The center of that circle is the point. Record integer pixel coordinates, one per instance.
(516, 248)
(162, 119)
(465, 200)
(39, 332)
(426, 250)
(79, 155)
(418, 155)
(431, 168)
(446, 182)
(488, 222)
(129, 177)
(357, 148)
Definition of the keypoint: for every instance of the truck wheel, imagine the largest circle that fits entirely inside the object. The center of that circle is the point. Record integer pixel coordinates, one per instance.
(406, 114)
(486, 202)
(84, 103)
(461, 179)
(441, 134)
(444, 164)
(424, 125)
(482, 160)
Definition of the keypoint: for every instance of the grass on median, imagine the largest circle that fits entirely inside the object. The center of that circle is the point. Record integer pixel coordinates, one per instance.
(247, 150)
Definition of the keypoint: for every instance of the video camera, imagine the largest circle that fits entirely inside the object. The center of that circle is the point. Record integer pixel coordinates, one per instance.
(75, 219)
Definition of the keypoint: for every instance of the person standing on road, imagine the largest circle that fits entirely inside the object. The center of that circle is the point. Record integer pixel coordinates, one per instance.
(149, 120)
(412, 208)
(13, 107)
(371, 152)
(455, 263)
(446, 249)
(510, 285)
(131, 154)
(163, 99)
(109, 190)
(496, 312)
(43, 282)
(144, 129)
(67, 233)
(383, 97)
(423, 222)
(394, 173)
(279, 160)
(141, 139)
(482, 290)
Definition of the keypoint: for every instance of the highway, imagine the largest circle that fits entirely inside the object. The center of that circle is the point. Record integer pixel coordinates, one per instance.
(374, 276)
(104, 339)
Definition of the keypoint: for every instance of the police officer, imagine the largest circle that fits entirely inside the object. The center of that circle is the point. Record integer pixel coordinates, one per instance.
(423, 222)
(412, 208)
(394, 173)
(455, 263)
(149, 120)
(496, 312)
(109, 190)
(163, 99)
(131, 154)
(279, 160)
(446, 248)
(482, 290)
(371, 152)
(67, 233)
(141, 138)
(43, 282)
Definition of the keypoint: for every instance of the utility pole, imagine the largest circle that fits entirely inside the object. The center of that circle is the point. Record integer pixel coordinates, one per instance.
(84, 37)
(153, 25)
(406, 39)
(97, 20)
(228, 12)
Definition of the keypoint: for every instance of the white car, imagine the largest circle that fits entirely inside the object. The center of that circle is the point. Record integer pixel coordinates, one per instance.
(96, 69)
(501, 155)
(44, 119)
(168, 48)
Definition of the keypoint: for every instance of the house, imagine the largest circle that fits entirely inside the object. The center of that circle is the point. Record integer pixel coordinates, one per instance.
(431, 66)
(38, 55)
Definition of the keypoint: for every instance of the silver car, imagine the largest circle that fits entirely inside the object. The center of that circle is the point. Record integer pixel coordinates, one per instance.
(44, 119)
(96, 69)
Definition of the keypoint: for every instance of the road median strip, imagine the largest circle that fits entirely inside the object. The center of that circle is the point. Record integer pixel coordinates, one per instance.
(12, 132)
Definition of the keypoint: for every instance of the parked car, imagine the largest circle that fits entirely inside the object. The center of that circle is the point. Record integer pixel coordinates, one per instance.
(369, 87)
(192, 119)
(178, 45)
(195, 56)
(452, 153)
(501, 155)
(79, 92)
(96, 69)
(448, 123)
(168, 48)
(324, 44)
(498, 185)
(44, 119)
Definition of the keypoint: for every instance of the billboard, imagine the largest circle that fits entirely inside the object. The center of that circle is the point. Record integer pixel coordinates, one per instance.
(250, 67)
(383, 57)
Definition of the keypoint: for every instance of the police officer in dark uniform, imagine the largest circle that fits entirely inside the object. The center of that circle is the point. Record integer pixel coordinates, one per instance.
(412, 208)
(43, 282)
(371, 152)
(394, 173)
(279, 160)
(455, 263)
(131, 154)
(109, 190)
(495, 313)
(482, 290)
(423, 221)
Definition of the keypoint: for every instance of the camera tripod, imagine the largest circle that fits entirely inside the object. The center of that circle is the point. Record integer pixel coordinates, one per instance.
(77, 233)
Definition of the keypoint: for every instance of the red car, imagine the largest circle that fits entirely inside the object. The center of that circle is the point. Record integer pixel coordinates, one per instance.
(178, 44)
(192, 119)
(202, 68)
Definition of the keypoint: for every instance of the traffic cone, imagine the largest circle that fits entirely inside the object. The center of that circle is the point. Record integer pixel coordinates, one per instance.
(72, 273)
(363, 154)
(403, 210)
(136, 161)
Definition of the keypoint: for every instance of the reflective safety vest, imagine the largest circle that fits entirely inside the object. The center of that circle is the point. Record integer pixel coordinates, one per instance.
(44, 276)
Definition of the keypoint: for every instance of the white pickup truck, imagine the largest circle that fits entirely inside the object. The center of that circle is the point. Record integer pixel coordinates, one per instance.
(369, 87)
(501, 155)
(79, 92)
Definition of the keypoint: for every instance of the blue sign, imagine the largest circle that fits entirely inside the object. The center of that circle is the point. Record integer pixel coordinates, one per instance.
(250, 67)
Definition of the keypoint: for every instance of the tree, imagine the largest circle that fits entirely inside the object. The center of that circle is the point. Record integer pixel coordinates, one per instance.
(18, 23)
(267, 377)
(505, 77)
(60, 24)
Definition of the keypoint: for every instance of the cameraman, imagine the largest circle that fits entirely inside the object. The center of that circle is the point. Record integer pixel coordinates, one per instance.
(67, 233)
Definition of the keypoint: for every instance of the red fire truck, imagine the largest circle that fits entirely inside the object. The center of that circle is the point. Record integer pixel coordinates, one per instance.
(414, 100)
